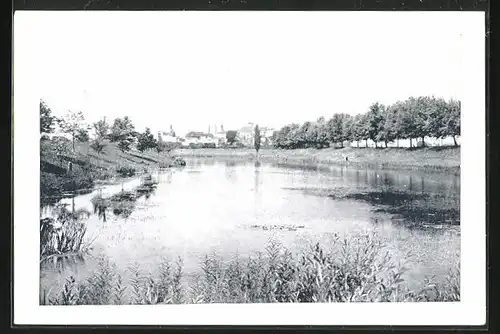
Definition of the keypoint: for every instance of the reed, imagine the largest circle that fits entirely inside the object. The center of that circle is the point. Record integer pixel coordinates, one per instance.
(64, 234)
(352, 269)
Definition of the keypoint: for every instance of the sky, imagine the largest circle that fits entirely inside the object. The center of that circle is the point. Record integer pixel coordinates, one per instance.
(192, 69)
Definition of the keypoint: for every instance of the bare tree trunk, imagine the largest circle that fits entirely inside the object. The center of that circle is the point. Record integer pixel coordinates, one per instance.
(385, 143)
(375, 143)
(455, 141)
(423, 141)
(366, 142)
(410, 144)
(397, 142)
(357, 143)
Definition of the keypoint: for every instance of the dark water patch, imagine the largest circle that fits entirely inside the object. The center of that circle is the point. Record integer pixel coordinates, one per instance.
(392, 198)
(63, 262)
(411, 209)
(123, 203)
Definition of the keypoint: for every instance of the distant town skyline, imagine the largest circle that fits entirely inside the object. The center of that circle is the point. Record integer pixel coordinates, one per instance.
(313, 65)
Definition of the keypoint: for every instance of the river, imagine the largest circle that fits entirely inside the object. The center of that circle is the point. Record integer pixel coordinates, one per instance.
(228, 207)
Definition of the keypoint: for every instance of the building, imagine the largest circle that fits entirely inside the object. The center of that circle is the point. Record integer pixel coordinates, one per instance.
(246, 135)
(218, 133)
(199, 138)
(168, 136)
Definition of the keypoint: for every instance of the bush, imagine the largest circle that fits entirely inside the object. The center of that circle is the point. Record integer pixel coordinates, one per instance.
(64, 234)
(355, 269)
(52, 184)
(77, 180)
(195, 145)
(124, 171)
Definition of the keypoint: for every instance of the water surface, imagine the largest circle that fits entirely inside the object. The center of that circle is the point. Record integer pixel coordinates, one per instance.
(228, 207)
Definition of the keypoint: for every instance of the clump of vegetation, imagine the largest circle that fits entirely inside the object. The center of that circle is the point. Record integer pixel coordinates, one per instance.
(354, 269)
(52, 184)
(107, 286)
(125, 171)
(63, 235)
(174, 162)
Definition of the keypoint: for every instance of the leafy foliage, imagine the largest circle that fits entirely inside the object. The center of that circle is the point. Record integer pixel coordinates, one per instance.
(72, 124)
(101, 128)
(411, 119)
(122, 130)
(47, 121)
(231, 136)
(125, 144)
(257, 138)
(352, 269)
(98, 145)
(82, 135)
(146, 141)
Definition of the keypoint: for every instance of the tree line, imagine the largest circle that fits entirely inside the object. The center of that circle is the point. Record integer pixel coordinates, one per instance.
(414, 118)
(121, 131)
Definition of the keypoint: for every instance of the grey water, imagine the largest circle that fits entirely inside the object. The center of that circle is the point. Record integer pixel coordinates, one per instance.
(228, 207)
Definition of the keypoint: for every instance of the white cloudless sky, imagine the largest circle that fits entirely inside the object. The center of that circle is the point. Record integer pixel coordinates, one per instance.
(192, 69)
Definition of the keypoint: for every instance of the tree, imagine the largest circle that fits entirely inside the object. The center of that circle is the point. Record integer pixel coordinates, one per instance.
(124, 145)
(293, 137)
(101, 128)
(375, 121)
(256, 138)
(338, 132)
(72, 123)
(82, 135)
(384, 128)
(393, 126)
(159, 147)
(420, 108)
(98, 145)
(146, 141)
(357, 128)
(60, 147)
(122, 129)
(47, 121)
(231, 136)
(347, 128)
(452, 120)
(321, 133)
(438, 113)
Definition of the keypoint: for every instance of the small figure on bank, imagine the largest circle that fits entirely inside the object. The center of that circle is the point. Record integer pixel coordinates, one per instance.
(346, 158)
(70, 167)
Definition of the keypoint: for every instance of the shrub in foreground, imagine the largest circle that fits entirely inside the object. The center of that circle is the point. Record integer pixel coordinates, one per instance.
(355, 269)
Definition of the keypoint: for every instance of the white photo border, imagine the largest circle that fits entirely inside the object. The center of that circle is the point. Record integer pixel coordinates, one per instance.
(471, 310)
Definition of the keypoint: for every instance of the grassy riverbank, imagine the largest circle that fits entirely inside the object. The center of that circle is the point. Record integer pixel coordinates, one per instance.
(353, 269)
(427, 159)
(89, 167)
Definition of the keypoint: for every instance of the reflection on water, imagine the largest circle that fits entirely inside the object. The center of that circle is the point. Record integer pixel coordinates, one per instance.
(236, 206)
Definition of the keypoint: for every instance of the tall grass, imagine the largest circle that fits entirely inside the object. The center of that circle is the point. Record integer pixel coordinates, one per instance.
(353, 269)
(63, 235)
